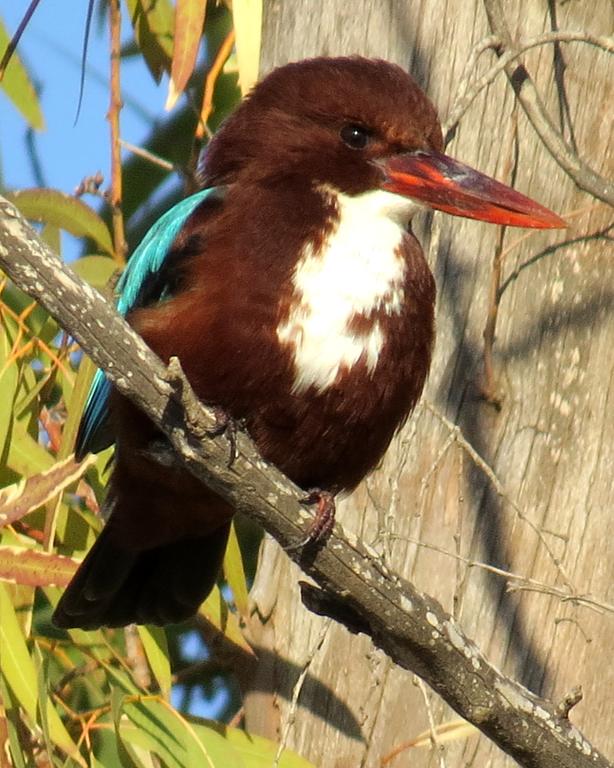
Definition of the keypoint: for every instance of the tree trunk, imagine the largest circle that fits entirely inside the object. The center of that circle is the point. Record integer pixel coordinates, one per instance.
(526, 486)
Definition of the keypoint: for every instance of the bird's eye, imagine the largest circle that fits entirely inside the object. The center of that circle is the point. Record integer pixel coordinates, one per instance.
(355, 136)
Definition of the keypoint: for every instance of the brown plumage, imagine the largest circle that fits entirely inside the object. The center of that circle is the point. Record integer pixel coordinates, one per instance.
(301, 303)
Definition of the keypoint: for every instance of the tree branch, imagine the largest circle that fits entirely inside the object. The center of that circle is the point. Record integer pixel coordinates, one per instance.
(465, 96)
(355, 588)
(526, 93)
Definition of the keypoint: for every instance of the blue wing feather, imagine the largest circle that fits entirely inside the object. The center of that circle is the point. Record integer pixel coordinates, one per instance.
(146, 262)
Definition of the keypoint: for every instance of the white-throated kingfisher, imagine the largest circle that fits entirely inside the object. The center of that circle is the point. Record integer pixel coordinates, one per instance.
(297, 300)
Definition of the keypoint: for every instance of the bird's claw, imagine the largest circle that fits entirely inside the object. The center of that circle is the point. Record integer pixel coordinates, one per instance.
(324, 520)
(226, 425)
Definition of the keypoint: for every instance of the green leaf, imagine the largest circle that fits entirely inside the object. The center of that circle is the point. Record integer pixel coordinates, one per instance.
(234, 573)
(147, 732)
(96, 270)
(50, 234)
(116, 675)
(25, 455)
(9, 380)
(189, 21)
(256, 751)
(18, 87)
(156, 650)
(18, 669)
(216, 612)
(29, 392)
(154, 25)
(14, 725)
(42, 677)
(76, 405)
(15, 660)
(117, 703)
(69, 213)
(174, 739)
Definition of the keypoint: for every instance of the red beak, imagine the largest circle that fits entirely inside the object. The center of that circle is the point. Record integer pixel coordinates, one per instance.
(447, 185)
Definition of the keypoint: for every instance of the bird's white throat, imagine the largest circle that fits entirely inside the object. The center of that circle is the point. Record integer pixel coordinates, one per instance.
(356, 271)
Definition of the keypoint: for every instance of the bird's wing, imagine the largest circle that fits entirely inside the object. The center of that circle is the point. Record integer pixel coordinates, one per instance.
(141, 283)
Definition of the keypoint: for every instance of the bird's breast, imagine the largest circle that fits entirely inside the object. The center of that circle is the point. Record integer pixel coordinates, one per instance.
(344, 287)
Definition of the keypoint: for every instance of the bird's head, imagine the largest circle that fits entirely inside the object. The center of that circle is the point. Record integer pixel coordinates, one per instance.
(356, 125)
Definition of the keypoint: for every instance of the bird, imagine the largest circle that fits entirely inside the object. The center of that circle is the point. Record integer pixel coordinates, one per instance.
(299, 303)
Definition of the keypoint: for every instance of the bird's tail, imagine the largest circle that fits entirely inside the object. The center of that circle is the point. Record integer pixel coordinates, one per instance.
(163, 585)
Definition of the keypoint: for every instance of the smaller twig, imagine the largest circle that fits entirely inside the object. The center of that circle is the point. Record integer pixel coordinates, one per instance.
(296, 691)
(34, 342)
(119, 238)
(207, 668)
(560, 65)
(582, 174)
(460, 575)
(488, 386)
(498, 486)
(573, 597)
(435, 743)
(212, 75)
(572, 620)
(82, 670)
(14, 42)
(453, 729)
(435, 464)
(462, 101)
(516, 581)
(466, 96)
(90, 185)
(568, 702)
(568, 215)
(547, 251)
(150, 156)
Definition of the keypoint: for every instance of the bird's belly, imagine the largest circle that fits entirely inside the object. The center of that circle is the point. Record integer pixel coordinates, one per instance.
(332, 439)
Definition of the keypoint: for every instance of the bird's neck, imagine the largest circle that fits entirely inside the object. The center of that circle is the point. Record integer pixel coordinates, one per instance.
(348, 279)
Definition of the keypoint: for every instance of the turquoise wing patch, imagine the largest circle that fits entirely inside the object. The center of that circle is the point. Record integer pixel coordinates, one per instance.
(146, 262)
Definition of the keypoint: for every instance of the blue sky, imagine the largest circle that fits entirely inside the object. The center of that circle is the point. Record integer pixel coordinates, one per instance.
(51, 48)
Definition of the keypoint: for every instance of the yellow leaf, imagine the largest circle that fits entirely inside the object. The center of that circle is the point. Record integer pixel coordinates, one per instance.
(34, 567)
(215, 610)
(9, 379)
(247, 20)
(156, 650)
(189, 21)
(18, 87)
(23, 497)
(235, 573)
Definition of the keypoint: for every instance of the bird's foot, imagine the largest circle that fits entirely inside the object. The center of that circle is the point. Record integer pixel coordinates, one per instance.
(226, 425)
(324, 520)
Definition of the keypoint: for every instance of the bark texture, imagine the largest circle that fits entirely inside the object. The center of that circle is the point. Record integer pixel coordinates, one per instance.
(539, 413)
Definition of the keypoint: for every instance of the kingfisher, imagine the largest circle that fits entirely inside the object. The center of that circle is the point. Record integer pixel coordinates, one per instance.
(299, 303)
